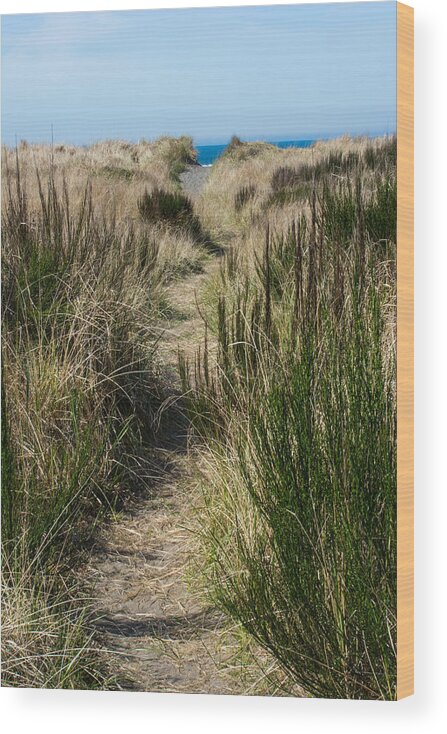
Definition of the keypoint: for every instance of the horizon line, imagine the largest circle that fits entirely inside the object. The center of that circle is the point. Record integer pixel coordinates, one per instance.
(204, 144)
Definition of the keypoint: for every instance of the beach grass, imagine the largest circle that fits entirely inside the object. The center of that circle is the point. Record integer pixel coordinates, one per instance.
(83, 283)
(291, 397)
(298, 412)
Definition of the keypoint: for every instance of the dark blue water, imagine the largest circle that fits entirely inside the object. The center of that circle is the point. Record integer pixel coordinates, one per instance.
(209, 153)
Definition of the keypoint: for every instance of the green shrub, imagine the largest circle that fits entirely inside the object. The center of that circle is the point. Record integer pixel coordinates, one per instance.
(174, 209)
(165, 206)
(317, 585)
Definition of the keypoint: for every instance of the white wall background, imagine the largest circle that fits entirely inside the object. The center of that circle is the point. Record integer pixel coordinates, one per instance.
(110, 713)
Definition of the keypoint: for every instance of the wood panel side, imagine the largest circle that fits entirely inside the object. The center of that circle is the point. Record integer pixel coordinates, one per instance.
(405, 350)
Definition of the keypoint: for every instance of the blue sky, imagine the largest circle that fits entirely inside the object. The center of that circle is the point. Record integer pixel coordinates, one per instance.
(266, 72)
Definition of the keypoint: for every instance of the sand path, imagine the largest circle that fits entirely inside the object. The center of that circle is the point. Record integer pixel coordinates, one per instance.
(156, 631)
(158, 635)
(193, 179)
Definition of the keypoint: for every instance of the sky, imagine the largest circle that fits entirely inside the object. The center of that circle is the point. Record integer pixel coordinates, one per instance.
(268, 72)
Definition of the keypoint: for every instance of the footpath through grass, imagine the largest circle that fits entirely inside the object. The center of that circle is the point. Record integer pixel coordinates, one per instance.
(83, 282)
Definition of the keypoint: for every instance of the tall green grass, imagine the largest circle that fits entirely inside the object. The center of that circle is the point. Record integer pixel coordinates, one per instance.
(79, 392)
(299, 415)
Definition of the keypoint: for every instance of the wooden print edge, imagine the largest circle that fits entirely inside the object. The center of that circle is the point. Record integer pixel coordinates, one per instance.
(405, 351)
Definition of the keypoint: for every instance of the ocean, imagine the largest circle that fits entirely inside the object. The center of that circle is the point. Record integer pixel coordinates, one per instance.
(209, 153)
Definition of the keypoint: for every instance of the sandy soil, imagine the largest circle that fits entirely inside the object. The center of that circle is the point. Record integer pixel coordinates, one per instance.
(193, 179)
(156, 631)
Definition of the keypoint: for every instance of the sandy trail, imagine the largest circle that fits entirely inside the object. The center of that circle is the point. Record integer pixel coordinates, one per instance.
(158, 635)
(193, 179)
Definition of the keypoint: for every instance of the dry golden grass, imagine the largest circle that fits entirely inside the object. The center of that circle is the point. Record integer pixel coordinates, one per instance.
(84, 282)
(85, 285)
(44, 638)
(119, 172)
(243, 230)
(229, 174)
